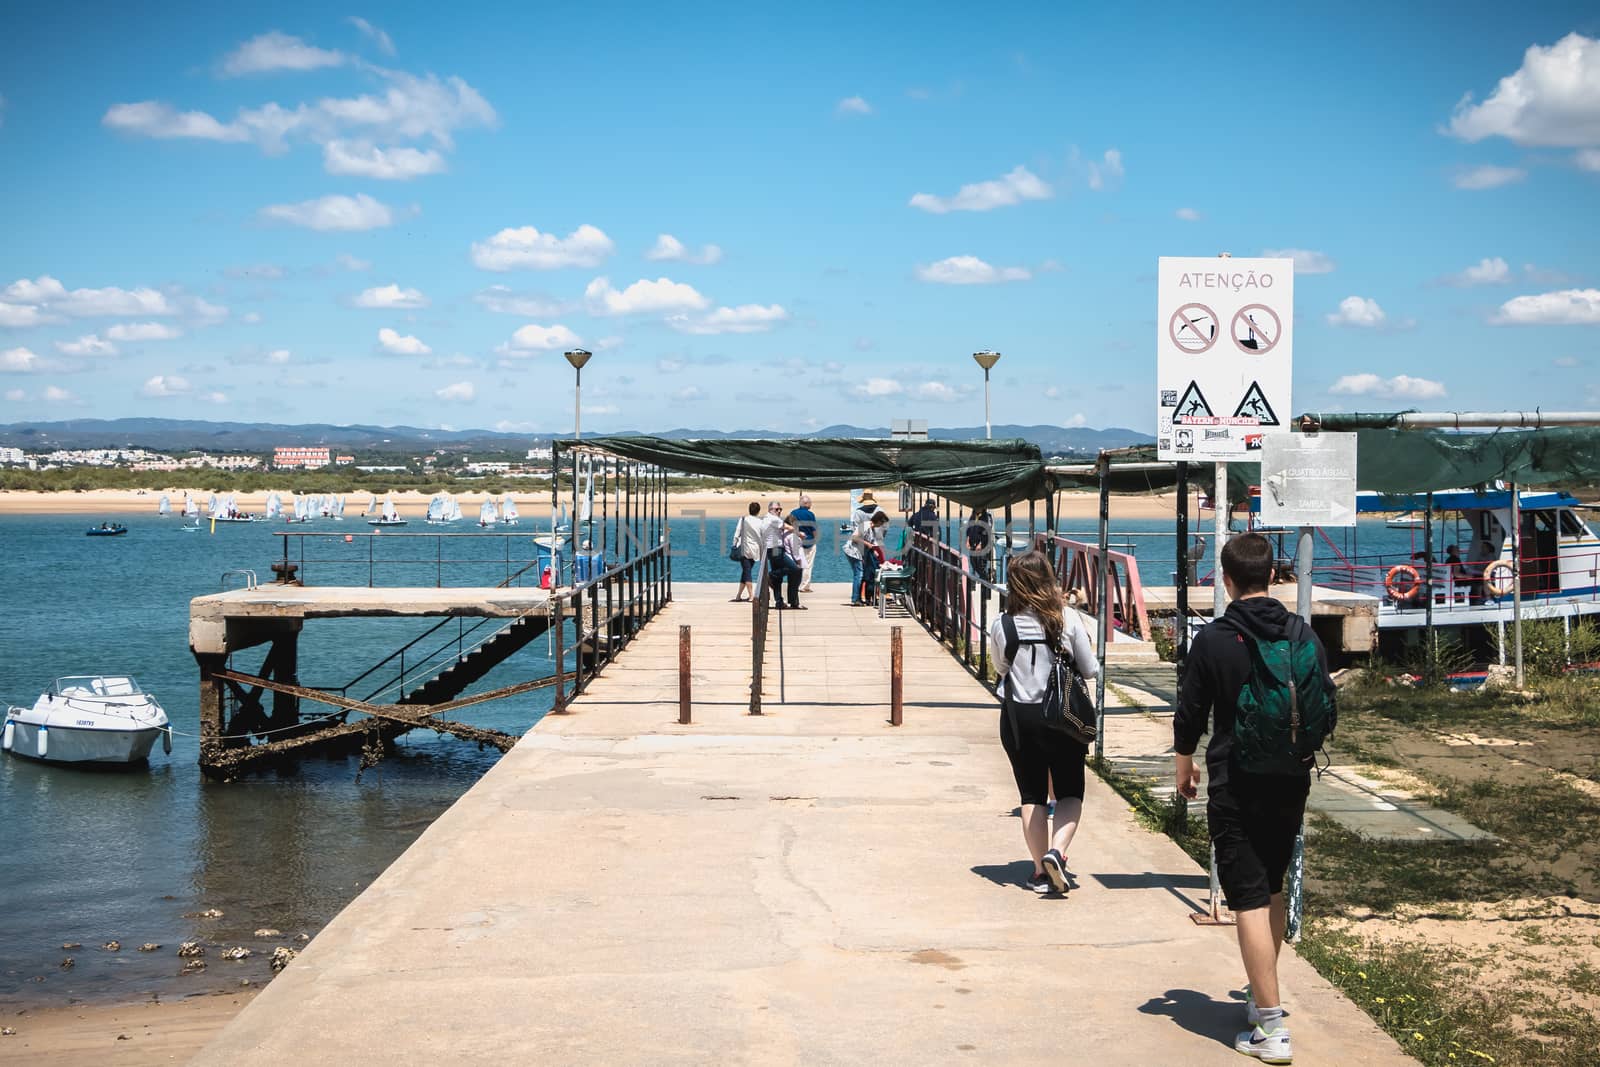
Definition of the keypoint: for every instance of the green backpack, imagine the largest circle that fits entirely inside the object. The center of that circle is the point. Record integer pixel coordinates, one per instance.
(1286, 709)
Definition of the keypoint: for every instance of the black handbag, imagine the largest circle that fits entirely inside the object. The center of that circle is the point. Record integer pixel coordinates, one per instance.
(1067, 706)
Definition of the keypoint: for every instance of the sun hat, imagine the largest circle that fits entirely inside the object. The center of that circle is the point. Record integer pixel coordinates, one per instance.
(867, 497)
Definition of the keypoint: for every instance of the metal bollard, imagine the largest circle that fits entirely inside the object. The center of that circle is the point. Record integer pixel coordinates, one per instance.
(683, 676)
(896, 677)
(1217, 913)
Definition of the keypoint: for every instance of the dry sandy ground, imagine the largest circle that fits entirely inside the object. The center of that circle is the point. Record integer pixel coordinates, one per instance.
(115, 1034)
(714, 504)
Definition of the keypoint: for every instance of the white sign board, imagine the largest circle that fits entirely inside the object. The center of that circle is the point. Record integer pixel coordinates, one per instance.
(1308, 479)
(1224, 355)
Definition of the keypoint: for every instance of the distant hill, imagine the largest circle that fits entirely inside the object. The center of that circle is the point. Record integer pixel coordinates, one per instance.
(179, 435)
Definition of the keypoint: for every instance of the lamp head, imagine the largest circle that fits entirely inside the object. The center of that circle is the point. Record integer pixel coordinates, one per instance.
(578, 357)
(986, 359)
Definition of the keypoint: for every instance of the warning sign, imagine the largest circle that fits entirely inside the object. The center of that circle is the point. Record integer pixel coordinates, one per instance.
(1224, 355)
(1193, 328)
(1192, 406)
(1254, 405)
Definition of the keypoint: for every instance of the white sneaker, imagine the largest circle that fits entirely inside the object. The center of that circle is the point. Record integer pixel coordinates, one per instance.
(1268, 1048)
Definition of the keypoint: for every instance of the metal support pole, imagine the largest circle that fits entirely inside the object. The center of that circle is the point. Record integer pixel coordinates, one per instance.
(896, 677)
(1303, 601)
(1430, 658)
(577, 407)
(988, 430)
(1516, 578)
(1219, 512)
(1103, 629)
(1182, 636)
(684, 697)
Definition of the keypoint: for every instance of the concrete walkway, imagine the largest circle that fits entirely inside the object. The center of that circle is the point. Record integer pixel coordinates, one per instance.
(808, 887)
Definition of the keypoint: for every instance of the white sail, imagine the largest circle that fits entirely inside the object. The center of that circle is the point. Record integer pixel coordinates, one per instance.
(487, 515)
(436, 509)
(300, 509)
(586, 489)
(338, 508)
(214, 506)
(274, 505)
(191, 510)
(165, 507)
(372, 505)
(508, 511)
(389, 513)
(453, 508)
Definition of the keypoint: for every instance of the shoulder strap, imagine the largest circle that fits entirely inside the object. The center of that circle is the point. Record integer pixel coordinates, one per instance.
(1009, 627)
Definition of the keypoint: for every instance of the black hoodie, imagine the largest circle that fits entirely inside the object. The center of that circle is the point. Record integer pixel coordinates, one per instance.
(1217, 669)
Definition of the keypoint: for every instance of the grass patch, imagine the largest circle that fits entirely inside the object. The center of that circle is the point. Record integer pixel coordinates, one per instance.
(1164, 816)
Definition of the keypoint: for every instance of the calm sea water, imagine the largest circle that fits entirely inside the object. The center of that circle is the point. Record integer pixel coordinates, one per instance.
(91, 856)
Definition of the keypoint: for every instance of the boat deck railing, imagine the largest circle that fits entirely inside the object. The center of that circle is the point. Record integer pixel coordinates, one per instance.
(1404, 583)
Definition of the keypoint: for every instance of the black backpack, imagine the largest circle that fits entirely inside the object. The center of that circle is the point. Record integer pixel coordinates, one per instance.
(1067, 706)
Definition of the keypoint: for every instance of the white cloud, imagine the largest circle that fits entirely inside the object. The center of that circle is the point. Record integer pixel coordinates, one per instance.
(216, 396)
(1568, 307)
(688, 393)
(1107, 172)
(669, 365)
(88, 345)
(1305, 261)
(256, 272)
(1400, 387)
(1188, 214)
(390, 296)
(669, 248)
(277, 51)
(163, 385)
(279, 356)
(143, 331)
(1005, 191)
(17, 316)
(502, 300)
(746, 318)
(606, 344)
(535, 338)
(853, 105)
(151, 118)
(360, 212)
(1588, 159)
(49, 298)
(876, 388)
(525, 248)
(16, 396)
(250, 318)
(1487, 177)
(401, 344)
(21, 361)
(352, 263)
(457, 392)
(600, 409)
(1052, 392)
(363, 159)
(1358, 311)
(1486, 271)
(970, 270)
(644, 295)
(1566, 362)
(937, 392)
(379, 39)
(1552, 100)
(57, 395)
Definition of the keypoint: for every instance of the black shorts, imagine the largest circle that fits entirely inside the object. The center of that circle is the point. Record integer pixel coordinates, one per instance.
(1253, 828)
(1040, 755)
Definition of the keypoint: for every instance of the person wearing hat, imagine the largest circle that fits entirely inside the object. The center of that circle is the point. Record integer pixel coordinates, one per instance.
(856, 547)
(926, 521)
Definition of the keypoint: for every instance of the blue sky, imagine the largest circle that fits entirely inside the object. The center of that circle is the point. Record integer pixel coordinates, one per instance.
(760, 218)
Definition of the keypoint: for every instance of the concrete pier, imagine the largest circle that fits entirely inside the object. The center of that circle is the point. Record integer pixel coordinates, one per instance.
(809, 886)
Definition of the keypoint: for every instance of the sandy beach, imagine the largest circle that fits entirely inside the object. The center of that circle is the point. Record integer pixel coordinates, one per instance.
(149, 1032)
(713, 504)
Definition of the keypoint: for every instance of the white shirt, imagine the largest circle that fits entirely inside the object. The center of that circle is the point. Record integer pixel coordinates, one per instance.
(1026, 681)
(861, 527)
(772, 531)
(748, 537)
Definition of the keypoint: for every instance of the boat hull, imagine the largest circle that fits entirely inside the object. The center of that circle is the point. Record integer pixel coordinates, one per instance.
(67, 744)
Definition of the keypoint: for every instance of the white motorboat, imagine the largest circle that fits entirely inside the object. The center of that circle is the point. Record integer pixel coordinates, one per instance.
(88, 719)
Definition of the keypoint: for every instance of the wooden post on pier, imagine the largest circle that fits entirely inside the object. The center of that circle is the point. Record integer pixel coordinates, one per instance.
(560, 627)
(683, 676)
(896, 677)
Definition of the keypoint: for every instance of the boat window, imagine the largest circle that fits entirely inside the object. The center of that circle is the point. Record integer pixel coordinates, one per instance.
(1572, 526)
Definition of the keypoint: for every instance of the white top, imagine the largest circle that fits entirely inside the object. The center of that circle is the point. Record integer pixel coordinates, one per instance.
(1026, 682)
(772, 531)
(747, 535)
(791, 545)
(861, 527)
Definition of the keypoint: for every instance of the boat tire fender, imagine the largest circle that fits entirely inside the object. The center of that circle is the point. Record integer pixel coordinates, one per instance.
(10, 735)
(1402, 582)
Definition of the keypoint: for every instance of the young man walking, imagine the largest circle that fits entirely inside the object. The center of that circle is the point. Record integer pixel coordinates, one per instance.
(1263, 675)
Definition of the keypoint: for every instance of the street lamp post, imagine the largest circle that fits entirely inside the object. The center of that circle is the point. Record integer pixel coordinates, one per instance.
(986, 360)
(578, 357)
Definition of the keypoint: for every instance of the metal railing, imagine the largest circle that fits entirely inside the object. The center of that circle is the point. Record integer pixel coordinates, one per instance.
(954, 601)
(1405, 583)
(1112, 577)
(357, 550)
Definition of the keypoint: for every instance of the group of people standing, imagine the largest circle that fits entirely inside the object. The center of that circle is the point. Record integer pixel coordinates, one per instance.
(787, 544)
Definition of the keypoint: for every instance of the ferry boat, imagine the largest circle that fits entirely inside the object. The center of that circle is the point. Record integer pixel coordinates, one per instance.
(88, 719)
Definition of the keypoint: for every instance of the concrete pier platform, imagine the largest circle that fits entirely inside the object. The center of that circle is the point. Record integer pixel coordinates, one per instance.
(812, 886)
(1345, 620)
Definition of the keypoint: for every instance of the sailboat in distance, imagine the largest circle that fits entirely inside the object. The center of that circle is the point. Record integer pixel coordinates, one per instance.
(164, 509)
(487, 515)
(508, 511)
(388, 516)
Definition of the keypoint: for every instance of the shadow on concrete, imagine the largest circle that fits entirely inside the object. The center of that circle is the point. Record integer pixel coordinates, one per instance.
(1015, 873)
(1172, 883)
(1198, 1013)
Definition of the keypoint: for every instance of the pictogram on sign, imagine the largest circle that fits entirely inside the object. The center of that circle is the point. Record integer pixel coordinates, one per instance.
(1193, 328)
(1256, 329)
(1254, 405)
(1192, 405)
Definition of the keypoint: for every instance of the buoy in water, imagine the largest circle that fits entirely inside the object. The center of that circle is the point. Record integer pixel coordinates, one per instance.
(349, 539)
(166, 741)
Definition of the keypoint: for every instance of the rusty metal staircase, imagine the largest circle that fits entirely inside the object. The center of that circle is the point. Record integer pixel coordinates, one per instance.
(472, 664)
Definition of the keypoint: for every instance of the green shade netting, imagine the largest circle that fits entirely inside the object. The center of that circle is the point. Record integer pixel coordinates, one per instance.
(978, 474)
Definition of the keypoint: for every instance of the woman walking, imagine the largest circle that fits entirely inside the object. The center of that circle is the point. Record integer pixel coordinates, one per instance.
(1041, 629)
(747, 549)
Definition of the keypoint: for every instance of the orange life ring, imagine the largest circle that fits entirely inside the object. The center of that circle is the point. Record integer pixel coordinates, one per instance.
(1398, 591)
(1499, 577)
